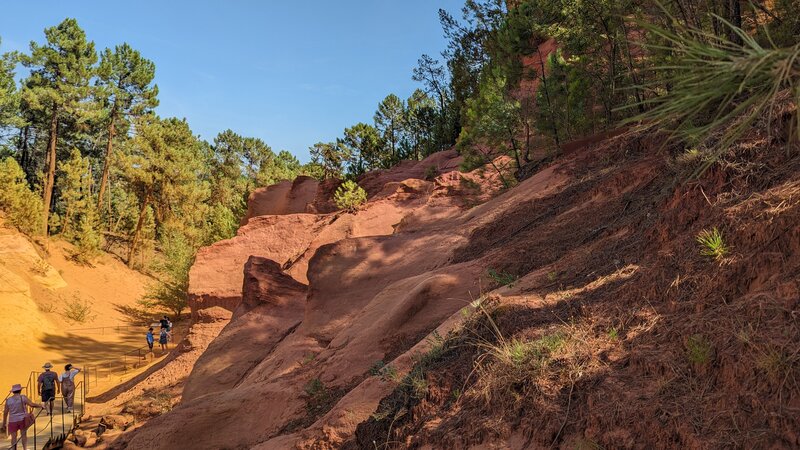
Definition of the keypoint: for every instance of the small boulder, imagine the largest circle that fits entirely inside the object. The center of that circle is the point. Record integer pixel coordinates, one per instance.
(117, 421)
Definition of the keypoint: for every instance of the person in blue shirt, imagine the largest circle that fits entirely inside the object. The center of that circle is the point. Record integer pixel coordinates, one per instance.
(150, 339)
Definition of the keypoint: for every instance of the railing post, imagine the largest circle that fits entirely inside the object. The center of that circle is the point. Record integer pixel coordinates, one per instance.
(62, 412)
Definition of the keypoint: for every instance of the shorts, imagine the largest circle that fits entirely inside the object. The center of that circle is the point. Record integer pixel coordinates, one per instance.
(150, 344)
(13, 427)
(48, 394)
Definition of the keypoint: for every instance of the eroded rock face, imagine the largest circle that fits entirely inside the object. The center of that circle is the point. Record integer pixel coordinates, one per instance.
(286, 197)
(373, 294)
(272, 306)
(216, 277)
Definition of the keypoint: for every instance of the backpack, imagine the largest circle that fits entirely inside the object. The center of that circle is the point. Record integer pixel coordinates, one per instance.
(48, 382)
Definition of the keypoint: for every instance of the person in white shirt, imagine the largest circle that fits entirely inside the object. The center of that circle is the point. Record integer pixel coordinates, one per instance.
(67, 380)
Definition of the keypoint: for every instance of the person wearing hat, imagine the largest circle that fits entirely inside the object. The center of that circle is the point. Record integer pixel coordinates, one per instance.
(48, 386)
(14, 414)
(67, 381)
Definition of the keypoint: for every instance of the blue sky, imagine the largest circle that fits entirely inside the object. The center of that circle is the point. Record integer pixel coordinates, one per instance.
(291, 73)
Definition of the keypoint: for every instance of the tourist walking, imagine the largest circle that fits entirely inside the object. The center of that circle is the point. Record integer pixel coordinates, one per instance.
(163, 339)
(48, 386)
(16, 417)
(67, 380)
(150, 339)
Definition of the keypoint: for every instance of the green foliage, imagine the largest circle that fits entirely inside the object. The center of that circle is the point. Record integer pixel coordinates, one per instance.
(712, 244)
(88, 239)
(169, 291)
(22, 207)
(9, 95)
(363, 149)
(125, 81)
(389, 121)
(330, 157)
(717, 88)
(699, 350)
(315, 388)
(563, 99)
(77, 310)
(502, 278)
(349, 196)
(431, 173)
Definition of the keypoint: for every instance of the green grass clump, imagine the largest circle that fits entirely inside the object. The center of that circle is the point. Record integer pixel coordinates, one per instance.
(712, 244)
(699, 350)
(502, 278)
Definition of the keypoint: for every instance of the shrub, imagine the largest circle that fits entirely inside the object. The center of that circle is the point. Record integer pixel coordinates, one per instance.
(23, 207)
(712, 244)
(349, 196)
(78, 310)
(431, 172)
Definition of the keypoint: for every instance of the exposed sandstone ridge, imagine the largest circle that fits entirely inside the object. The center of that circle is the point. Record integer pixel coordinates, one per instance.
(601, 249)
(286, 197)
(371, 293)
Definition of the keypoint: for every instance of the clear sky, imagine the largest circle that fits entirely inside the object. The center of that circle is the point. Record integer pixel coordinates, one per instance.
(289, 72)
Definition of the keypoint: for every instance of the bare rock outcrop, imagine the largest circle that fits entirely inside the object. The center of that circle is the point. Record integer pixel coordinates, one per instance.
(272, 307)
(286, 197)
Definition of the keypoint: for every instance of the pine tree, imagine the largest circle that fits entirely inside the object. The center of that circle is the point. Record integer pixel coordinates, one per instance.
(330, 157)
(21, 206)
(162, 166)
(389, 119)
(124, 79)
(9, 95)
(58, 83)
(74, 183)
(362, 146)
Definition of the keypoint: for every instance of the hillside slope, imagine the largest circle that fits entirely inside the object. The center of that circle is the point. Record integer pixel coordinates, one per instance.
(609, 328)
(35, 289)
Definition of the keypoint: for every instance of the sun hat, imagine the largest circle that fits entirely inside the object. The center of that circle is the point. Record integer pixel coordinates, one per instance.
(16, 388)
(47, 365)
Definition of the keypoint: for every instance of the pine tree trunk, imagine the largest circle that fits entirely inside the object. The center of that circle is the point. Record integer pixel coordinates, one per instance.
(547, 98)
(67, 215)
(139, 223)
(735, 18)
(51, 169)
(107, 160)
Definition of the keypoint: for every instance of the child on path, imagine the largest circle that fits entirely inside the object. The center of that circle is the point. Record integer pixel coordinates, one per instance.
(14, 414)
(48, 386)
(150, 339)
(67, 380)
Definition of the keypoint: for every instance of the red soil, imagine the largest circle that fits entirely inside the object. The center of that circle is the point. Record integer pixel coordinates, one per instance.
(662, 346)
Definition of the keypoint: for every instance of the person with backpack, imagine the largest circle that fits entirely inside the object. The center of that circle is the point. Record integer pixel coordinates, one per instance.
(163, 339)
(67, 380)
(48, 386)
(164, 323)
(150, 339)
(16, 417)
